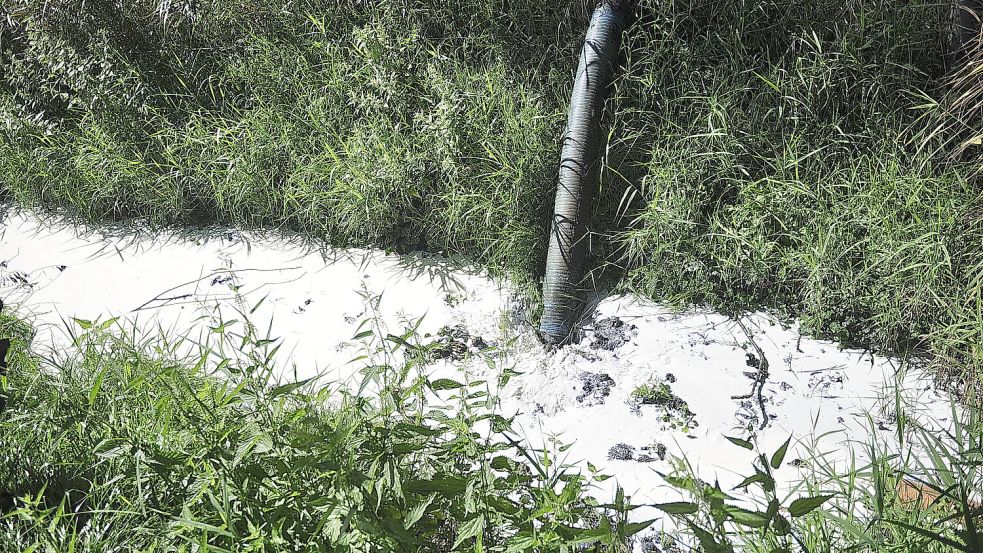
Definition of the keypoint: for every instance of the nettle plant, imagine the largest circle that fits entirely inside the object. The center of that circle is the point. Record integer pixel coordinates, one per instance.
(924, 496)
(720, 521)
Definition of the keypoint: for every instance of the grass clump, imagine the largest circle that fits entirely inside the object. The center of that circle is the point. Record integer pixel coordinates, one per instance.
(777, 164)
(675, 411)
(125, 445)
(383, 125)
(926, 498)
(655, 394)
(130, 444)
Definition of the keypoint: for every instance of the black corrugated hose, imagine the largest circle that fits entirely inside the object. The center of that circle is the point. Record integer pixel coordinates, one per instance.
(579, 160)
(965, 39)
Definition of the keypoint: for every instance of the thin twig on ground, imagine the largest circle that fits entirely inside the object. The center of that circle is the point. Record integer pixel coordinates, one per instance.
(757, 389)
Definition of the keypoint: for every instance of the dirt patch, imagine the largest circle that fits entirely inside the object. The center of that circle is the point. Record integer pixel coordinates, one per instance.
(457, 343)
(621, 452)
(611, 333)
(655, 452)
(594, 387)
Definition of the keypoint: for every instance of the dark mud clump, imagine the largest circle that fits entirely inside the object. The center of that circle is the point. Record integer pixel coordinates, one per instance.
(594, 387)
(621, 452)
(660, 542)
(655, 452)
(455, 342)
(611, 333)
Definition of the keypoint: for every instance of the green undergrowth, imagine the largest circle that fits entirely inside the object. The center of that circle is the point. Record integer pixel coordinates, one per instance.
(923, 496)
(777, 154)
(674, 411)
(125, 442)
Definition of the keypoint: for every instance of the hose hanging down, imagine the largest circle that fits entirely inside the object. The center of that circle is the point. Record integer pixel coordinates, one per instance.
(579, 171)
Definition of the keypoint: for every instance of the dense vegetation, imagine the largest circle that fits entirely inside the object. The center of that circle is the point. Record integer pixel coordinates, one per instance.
(127, 442)
(777, 153)
(126, 445)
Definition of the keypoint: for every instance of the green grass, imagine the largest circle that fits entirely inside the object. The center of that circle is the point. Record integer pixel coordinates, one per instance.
(122, 444)
(878, 501)
(782, 154)
(673, 410)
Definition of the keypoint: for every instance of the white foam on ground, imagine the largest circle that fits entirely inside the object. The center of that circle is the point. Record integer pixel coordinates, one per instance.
(315, 298)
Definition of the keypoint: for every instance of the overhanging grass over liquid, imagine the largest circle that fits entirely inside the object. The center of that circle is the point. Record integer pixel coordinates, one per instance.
(758, 153)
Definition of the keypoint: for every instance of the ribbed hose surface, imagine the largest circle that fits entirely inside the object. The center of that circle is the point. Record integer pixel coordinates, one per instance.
(578, 173)
(965, 37)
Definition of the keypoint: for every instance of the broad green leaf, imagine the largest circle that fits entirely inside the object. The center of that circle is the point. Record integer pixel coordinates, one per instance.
(416, 513)
(759, 477)
(677, 508)
(805, 505)
(445, 384)
(743, 443)
(501, 463)
(633, 528)
(521, 543)
(753, 519)
(586, 536)
(469, 529)
(707, 540)
(416, 429)
(108, 323)
(782, 526)
(287, 388)
(779, 456)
